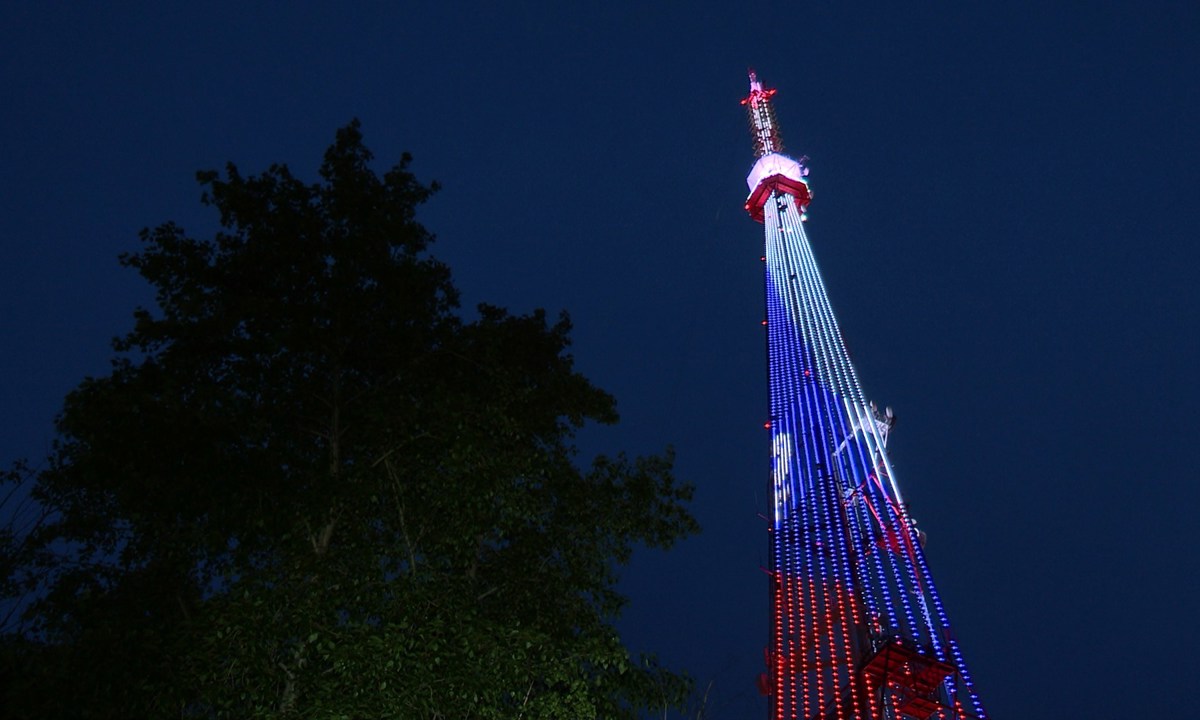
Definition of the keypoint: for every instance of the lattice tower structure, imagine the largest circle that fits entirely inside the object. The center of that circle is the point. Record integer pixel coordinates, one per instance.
(858, 630)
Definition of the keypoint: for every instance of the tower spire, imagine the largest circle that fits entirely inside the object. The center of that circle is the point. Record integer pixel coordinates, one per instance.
(761, 114)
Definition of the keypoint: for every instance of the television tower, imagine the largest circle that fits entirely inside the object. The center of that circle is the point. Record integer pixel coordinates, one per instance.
(858, 631)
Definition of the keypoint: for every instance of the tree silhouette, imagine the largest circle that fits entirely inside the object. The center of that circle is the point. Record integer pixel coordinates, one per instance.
(309, 488)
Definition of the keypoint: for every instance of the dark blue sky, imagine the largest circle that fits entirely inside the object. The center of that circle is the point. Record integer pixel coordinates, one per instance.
(1004, 212)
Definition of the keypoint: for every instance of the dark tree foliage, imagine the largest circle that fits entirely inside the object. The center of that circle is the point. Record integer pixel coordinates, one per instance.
(310, 489)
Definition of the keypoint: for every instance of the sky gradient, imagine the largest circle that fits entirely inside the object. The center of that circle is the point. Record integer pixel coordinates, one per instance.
(1004, 212)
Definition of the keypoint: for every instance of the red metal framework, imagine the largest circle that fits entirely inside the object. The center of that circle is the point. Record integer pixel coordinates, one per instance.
(777, 184)
(912, 676)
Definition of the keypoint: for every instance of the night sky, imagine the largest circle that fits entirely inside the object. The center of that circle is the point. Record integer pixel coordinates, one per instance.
(1005, 213)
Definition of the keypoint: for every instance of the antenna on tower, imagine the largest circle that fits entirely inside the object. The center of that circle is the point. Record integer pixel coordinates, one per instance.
(761, 114)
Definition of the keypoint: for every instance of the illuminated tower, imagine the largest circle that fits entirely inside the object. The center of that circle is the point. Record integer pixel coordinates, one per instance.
(857, 628)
